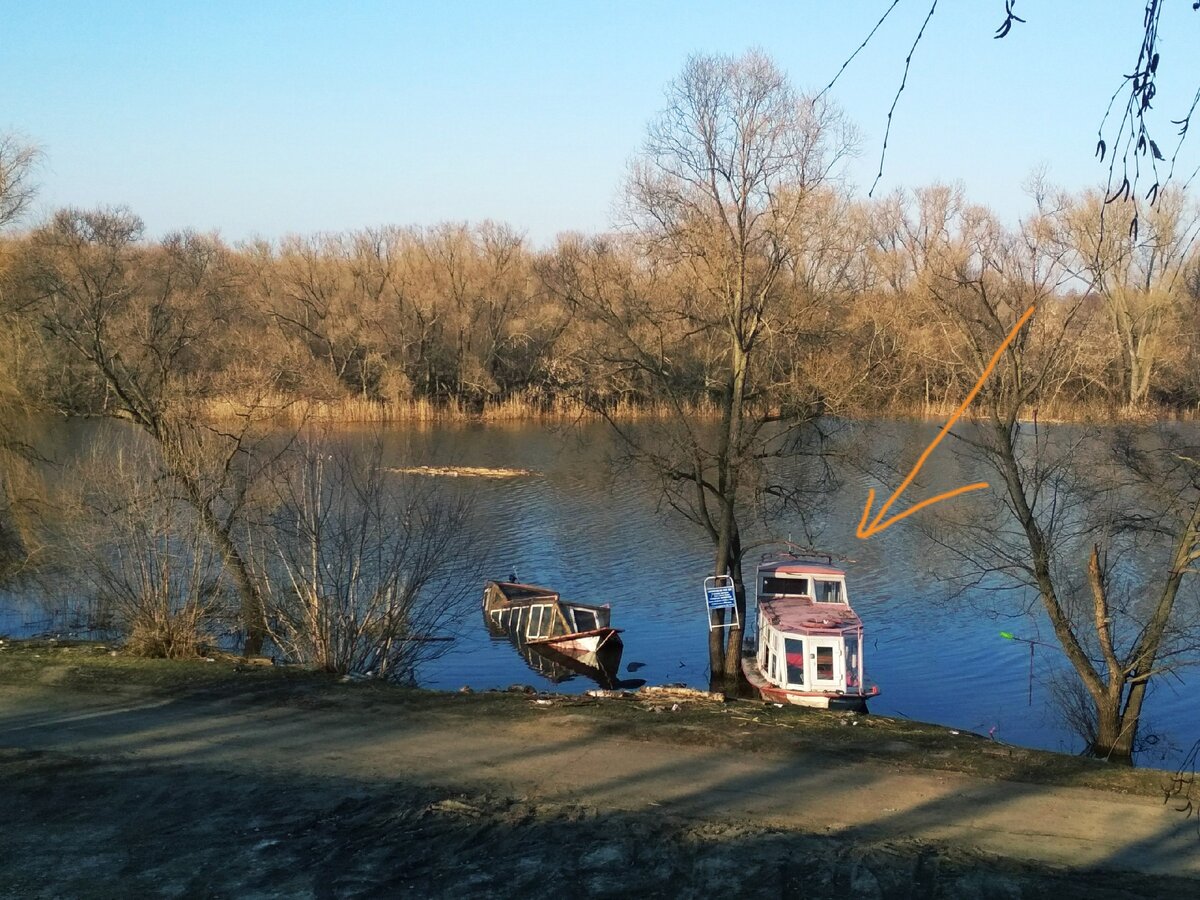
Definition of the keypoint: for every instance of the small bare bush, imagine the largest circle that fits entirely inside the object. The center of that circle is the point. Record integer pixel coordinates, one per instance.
(366, 571)
(162, 593)
(146, 565)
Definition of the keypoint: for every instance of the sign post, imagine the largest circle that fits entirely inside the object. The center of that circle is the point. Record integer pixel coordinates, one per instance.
(719, 594)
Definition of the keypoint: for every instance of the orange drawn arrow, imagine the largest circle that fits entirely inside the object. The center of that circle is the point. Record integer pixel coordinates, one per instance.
(864, 530)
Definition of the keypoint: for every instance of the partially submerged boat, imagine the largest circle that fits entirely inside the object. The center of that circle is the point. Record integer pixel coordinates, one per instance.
(573, 636)
(809, 645)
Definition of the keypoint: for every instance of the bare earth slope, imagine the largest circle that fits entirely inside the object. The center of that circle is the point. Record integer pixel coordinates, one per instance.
(179, 780)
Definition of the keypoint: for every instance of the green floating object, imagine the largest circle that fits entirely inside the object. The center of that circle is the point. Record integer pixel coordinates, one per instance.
(1008, 636)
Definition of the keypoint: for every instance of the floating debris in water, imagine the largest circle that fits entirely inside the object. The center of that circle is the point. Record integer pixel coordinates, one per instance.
(463, 471)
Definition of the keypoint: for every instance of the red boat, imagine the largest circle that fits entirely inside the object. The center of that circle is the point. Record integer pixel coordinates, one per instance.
(809, 646)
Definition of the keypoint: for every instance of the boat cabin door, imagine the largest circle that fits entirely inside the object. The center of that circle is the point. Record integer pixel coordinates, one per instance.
(826, 664)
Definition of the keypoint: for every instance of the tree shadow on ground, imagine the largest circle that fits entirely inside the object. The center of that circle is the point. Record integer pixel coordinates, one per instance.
(79, 826)
(225, 795)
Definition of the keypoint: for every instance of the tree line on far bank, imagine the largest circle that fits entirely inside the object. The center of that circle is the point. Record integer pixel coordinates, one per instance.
(464, 319)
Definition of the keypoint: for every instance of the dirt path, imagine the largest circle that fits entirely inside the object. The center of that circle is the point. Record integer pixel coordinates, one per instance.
(327, 793)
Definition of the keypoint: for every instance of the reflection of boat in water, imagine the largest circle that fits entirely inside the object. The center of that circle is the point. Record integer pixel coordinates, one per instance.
(558, 638)
(810, 642)
(557, 667)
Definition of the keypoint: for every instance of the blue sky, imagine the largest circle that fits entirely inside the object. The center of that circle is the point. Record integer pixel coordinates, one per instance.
(264, 118)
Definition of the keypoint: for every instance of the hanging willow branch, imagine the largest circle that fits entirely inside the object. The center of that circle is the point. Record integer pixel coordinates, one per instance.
(1125, 142)
(900, 90)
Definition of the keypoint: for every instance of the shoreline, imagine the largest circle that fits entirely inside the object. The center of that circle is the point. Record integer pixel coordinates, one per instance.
(82, 666)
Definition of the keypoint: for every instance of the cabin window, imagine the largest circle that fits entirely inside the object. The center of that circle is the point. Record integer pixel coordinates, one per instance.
(541, 620)
(585, 620)
(794, 652)
(824, 663)
(771, 666)
(828, 591)
(778, 584)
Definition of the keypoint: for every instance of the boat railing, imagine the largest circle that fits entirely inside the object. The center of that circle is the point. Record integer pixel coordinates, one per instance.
(800, 552)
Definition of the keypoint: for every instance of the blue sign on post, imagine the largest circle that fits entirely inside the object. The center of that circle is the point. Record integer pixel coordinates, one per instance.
(720, 596)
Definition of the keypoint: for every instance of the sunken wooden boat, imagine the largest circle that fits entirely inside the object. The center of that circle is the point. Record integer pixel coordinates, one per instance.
(574, 634)
(809, 646)
(558, 668)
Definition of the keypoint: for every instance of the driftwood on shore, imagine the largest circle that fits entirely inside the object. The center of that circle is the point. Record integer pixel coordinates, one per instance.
(678, 692)
(659, 692)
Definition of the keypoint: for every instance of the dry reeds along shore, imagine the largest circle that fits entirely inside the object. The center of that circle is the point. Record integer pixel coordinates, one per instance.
(291, 410)
(296, 410)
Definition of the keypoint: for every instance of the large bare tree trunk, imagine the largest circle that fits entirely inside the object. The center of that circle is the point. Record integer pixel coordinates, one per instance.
(729, 550)
(253, 613)
(1115, 732)
(733, 649)
(717, 636)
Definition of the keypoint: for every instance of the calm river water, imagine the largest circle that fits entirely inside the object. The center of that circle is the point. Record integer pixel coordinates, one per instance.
(597, 534)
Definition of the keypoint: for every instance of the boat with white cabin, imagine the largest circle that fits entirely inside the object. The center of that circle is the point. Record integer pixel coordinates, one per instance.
(808, 650)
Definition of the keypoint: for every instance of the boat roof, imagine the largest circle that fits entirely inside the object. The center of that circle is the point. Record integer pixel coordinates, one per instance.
(798, 614)
(791, 566)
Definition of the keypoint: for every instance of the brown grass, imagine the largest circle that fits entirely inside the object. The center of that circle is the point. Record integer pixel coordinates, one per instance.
(166, 637)
(1052, 413)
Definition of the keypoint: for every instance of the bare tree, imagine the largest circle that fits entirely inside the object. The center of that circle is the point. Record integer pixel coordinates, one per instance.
(18, 159)
(18, 487)
(143, 324)
(365, 571)
(714, 202)
(1103, 539)
(328, 307)
(1141, 274)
